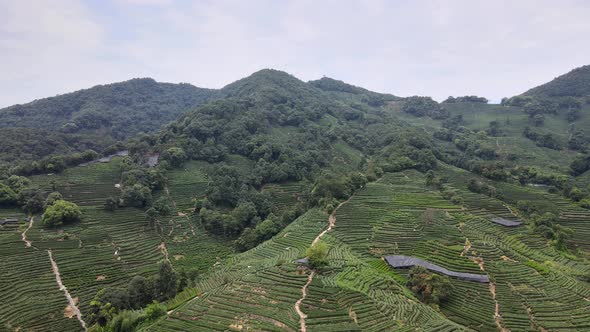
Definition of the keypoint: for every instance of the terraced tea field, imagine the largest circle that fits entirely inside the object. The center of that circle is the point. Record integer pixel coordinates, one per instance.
(533, 287)
(105, 249)
(258, 290)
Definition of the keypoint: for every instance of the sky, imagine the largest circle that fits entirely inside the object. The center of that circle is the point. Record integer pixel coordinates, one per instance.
(403, 47)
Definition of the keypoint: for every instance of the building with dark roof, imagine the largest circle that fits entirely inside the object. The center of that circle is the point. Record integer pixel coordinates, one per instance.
(405, 262)
(506, 222)
(8, 220)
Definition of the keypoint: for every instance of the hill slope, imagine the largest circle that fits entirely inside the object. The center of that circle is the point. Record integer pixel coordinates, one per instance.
(576, 83)
(104, 113)
(248, 180)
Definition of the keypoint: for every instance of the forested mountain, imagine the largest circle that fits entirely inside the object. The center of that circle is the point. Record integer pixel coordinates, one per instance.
(278, 204)
(576, 83)
(104, 114)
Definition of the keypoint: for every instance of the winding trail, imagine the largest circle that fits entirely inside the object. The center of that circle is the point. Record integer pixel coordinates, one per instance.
(302, 315)
(497, 316)
(331, 224)
(510, 210)
(73, 308)
(164, 251)
(466, 247)
(24, 234)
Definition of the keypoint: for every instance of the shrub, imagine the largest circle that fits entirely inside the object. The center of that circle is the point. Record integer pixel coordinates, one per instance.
(111, 204)
(155, 310)
(429, 287)
(137, 196)
(317, 254)
(141, 292)
(174, 156)
(424, 106)
(7, 195)
(61, 212)
(52, 198)
(576, 194)
(541, 268)
(31, 200)
(125, 321)
(585, 203)
(18, 183)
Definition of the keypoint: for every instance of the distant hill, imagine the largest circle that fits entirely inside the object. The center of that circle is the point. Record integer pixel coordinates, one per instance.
(124, 108)
(576, 83)
(107, 113)
(341, 88)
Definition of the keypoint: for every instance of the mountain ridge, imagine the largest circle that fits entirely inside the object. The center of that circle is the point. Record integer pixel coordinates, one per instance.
(575, 83)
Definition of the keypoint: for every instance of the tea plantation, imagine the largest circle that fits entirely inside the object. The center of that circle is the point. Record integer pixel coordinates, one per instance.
(533, 286)
(105, 250)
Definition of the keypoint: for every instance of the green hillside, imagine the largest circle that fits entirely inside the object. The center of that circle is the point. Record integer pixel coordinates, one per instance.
(271, 204)
(95, 118)
(576, 83)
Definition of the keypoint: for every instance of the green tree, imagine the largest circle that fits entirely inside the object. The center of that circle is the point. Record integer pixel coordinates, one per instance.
(494, 129)
(31, 200)
(151, 216)
(560, 236)
(52, 198)
(163, 206)
(429, 287)
(166, 281)
(183, 281)
(141, 292)
(580, 164)
(61, 212)
(576, 194)
(7, 195)
(317, 254)
(125, 321)
(111, 203)
(538, 120)
(578, 141)
(174, 156)
(154, 311)
(18, 183)
(137, 196)
(106, 304)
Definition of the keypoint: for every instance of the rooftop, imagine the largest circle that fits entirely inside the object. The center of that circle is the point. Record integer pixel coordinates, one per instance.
(400, 261)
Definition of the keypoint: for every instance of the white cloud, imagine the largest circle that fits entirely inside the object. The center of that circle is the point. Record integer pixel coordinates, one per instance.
(436, 48)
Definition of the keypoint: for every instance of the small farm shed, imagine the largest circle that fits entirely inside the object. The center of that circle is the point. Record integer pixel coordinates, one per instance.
(506, 222)
(7, 220)
(405, 262)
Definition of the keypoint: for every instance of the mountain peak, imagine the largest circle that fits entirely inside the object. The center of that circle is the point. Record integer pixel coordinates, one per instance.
(264, 80)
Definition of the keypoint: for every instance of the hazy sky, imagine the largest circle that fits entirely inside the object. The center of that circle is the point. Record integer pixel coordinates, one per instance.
(437, 48)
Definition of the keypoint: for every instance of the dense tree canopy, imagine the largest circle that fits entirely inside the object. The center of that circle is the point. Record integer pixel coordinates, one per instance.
(576, 83)
(317, 254)
(7, 195)
(429, 287)
(61, 212)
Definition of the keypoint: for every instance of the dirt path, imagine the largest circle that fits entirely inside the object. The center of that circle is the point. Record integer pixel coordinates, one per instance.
(302, 315)
(24, 234)
(511, 211)
(466, 247)
(72, 308)
(331, 224)
(497, 316)
(164, 251)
